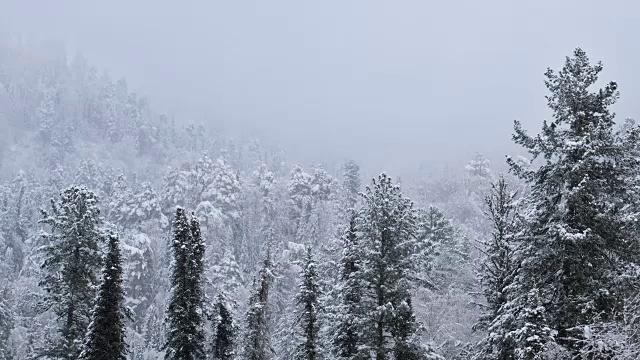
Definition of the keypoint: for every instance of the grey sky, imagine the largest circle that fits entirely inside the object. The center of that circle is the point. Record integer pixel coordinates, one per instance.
(390, 83)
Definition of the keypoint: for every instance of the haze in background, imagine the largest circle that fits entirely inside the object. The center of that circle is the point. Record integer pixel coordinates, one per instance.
(393, 84)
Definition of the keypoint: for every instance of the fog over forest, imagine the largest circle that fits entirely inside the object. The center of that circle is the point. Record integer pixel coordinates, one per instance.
(284, 180)
(455, 73)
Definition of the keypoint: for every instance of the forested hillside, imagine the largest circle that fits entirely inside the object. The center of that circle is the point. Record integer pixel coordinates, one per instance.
(129, 234)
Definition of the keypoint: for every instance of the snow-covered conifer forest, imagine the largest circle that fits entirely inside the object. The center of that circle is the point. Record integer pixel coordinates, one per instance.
(126, 233)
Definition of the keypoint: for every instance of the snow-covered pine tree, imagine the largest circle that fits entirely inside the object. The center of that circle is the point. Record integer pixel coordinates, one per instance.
(346, 340)
(350, 184)
(225, 276)
(224, 330)
(6, 322)
(267, 186)
(72, 262)
(153, 329)
(223, 194)
(184, 316)
(175, 189)
(308, 307)
(479, 167)
(110, 112)
(533, 337)
(299, 187)
(105, 339)
(257, 342)
(135, 209)
(322, 185)
(578, 237)
(47, 115)
(442, 251)
(91, 175)
(497, 273)
(139, 277)
(388, 229)
(13, 225)
(224, 190)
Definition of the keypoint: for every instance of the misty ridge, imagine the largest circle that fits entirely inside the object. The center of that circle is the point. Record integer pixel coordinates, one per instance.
(132, 231)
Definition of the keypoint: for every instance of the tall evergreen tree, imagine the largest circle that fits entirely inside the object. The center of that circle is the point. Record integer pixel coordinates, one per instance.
(441, 250)
(346, 340)
(139, 277)
(257, 338)
(6, 323)
(105, 339)
(225, 331)
(185, 333)
(534, 335)
(309, 304)
(388, 228)
(497, 273)
(579, 237)
(351, 183)
(72, 261)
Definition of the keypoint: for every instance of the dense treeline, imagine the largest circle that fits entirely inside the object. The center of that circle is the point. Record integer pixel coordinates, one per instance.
(158, 240)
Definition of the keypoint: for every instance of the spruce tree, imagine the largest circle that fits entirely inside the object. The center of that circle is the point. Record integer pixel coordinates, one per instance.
(105, 339)
(497, 273)
(388, 229)
(185, 333)
(257, 338)
(72, 261)
(309, 304)
(579, 235)
(224, 340)
(346, 340)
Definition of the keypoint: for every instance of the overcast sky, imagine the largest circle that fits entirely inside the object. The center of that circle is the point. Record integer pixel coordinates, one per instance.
(391, 83)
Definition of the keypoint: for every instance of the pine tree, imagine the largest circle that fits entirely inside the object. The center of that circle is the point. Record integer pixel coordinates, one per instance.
(308, 303)
(105, 339)
(579, 235)
(139, 276)
(153, 329)
(322, 185)
(225, 275)
(223, 194)
(90, 175)
(257, 338)
(175, 191)
(135, 209)
(479, 167)
(441, 250)
(534, 335)
(6, 323)
(351, 184)
(497, 273)
(300, 192)
(225, 331)
(266, 183)
(72, 260)
(13, 226)
(110, 112)
(346, 341)
(185, 333)
(224, 189)
(47, 115)
(197, 263)
(388, 228)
